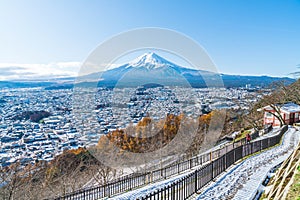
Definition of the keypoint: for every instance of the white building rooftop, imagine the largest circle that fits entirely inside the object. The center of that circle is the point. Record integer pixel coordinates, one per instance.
(287, 107)
(290, 107)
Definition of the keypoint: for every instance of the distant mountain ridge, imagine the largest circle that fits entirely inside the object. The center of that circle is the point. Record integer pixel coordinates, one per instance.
(152, 68)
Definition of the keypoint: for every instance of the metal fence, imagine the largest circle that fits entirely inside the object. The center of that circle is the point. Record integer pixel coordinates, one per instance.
(190, 184)
(214, 163)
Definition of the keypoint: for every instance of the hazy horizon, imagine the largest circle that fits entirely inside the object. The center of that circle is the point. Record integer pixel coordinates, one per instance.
(25, 72)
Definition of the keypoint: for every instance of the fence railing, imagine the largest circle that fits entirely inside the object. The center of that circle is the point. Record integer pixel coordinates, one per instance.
(190, 184)
(130, 182)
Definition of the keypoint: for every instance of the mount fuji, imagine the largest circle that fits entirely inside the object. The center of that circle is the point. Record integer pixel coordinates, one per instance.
(152, 68)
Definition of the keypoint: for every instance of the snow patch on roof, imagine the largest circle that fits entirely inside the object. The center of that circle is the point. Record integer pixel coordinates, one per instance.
(290, 107)
(287, 107)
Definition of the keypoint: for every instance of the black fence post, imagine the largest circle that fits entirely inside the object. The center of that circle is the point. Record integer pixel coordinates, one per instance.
(234, 150)
(173, 191)
(212, 170)
(196, 180)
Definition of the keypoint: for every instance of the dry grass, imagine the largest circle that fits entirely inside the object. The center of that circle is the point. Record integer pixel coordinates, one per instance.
(294, 192)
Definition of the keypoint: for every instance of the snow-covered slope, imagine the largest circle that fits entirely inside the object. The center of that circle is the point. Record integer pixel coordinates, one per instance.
(150, 61)
(152, 68)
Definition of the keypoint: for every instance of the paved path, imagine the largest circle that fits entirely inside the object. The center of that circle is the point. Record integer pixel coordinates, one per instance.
(241, 181)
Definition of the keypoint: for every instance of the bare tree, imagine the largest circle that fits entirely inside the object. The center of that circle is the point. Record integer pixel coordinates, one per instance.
(253, 118)
(103, 174)
(68, 173)
(11, 180)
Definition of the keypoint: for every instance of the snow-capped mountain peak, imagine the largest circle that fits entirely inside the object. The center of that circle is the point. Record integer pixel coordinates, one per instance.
(150, 61)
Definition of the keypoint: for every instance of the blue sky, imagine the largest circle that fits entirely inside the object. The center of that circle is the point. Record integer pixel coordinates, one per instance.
(242, 36)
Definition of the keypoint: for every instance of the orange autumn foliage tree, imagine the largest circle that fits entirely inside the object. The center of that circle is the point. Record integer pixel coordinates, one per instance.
(204, 120)
(140, 139)
(149, 135)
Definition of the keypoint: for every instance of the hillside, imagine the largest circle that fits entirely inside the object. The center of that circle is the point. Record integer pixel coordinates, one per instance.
(67, 172)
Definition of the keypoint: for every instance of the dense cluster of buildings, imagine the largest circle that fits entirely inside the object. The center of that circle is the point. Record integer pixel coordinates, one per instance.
(27, 141)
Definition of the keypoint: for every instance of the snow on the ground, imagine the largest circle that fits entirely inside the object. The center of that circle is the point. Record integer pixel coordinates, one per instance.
(241, 181)
(149, 188)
